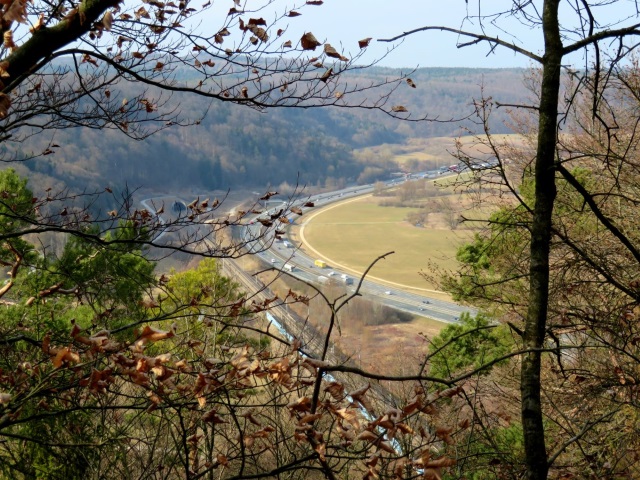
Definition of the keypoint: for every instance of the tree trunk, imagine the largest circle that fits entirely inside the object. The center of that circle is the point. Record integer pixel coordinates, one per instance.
(545, 192)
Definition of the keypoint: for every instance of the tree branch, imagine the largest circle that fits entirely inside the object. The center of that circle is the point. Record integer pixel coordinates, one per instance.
(477, 37)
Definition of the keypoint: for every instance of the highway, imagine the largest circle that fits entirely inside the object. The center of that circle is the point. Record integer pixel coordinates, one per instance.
(263, 243)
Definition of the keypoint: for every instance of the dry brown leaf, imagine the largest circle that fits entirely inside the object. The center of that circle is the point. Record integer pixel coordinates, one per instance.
(300, 405)
(249, 416)
(315, 363)
(424, 458)
(212, 417)
(411, 83)
(17, 11)
(268, 195)
(336, 390)
(259, 32)
(364, 43)
(404, 428)
(413, 405)
(107, 20)
(367, 435)
(65, 355)
(370, 475)
(309, 42)
(399, 108)
(141, 13)
(372, 461)
(8, 39)
(441, 431)
(450, 392)
(359, 397)
(326, 75)
(309, 418)
(387, 447)
(348, 415)
(38, 24)
(240, 357)
(329, 51)
(150, 334)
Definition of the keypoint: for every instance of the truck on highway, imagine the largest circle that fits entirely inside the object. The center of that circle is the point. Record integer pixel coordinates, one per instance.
(287, 244)
(320, 263)
(347, 280)
(289, 267)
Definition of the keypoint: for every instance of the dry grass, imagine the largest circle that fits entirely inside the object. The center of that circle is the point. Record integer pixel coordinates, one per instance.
(353, 234)
(436, 151)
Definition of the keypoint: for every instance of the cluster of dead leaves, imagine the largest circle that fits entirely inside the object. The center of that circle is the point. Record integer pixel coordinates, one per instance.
(197, 207)
(336, 415)
(351, 413)
(297, 298)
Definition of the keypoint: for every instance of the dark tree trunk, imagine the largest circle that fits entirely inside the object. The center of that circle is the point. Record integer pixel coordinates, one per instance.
(545, 192)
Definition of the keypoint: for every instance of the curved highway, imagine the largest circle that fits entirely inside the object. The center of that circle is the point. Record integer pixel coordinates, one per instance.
(280, 253)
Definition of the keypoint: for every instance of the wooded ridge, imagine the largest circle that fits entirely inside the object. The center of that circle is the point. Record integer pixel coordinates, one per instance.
(233, 147)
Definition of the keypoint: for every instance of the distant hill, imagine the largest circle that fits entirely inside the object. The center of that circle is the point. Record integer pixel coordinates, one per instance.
(239, 147)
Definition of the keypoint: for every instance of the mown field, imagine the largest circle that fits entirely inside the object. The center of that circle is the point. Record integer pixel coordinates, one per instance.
(352, 234)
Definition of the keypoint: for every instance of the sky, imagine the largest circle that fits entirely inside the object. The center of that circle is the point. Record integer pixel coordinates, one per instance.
(350, 20)
(343, 22)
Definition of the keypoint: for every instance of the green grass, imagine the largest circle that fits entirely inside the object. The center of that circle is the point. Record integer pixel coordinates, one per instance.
(353, 234)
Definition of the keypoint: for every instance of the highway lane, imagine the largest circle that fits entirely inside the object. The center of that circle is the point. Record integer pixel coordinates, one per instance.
(262, 242)
(145, 203)
(280, 253)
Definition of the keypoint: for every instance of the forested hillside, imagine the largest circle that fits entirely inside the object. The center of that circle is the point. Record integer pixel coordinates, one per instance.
(235, 147)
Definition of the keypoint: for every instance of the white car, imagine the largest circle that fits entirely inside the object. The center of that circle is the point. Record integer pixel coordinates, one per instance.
(331, 274)
(388, 292)
(273, 260)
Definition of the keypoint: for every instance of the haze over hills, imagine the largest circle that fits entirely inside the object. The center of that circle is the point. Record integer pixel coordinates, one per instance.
(239, 147)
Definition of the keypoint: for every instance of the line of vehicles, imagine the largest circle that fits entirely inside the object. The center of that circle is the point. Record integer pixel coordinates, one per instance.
(330, 278)
(460, 167)
(286, 257)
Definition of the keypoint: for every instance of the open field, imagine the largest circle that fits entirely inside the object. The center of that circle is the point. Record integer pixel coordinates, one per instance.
(436, 151)
(374, 347)
(354, 233)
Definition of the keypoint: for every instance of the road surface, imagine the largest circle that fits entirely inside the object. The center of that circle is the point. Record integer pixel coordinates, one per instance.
(281, 253)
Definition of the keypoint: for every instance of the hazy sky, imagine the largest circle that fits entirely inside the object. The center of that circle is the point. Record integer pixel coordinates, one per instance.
(351, 20)
(346, 21)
